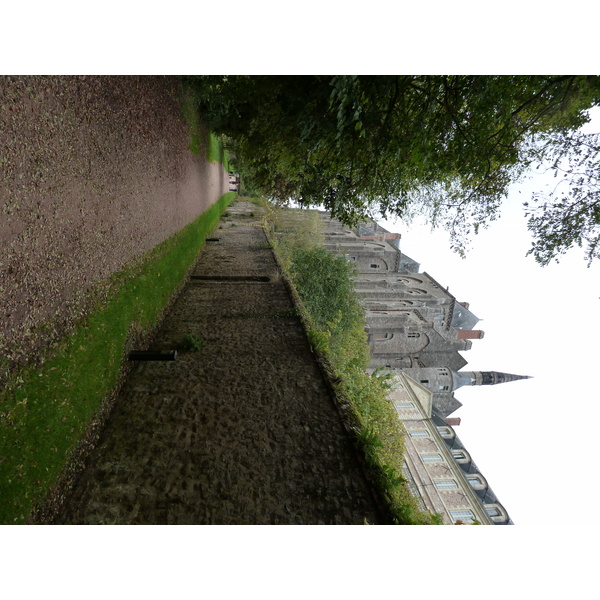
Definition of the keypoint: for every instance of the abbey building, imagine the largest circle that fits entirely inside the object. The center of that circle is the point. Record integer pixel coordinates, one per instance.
(416, 331)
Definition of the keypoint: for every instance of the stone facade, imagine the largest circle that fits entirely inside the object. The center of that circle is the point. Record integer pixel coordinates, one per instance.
(416, 330)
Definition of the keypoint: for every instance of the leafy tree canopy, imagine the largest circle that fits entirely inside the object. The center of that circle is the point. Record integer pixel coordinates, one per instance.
(444, 146)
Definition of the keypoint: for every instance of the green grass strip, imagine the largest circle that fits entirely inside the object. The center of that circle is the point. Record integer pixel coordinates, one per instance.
(48, 409)
(336, 324)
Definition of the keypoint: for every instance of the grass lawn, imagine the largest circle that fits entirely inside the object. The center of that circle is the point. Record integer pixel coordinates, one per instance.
(45, 411)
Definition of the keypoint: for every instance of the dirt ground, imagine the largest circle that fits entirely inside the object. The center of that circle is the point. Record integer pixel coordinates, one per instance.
(94, 171)
(243, 431)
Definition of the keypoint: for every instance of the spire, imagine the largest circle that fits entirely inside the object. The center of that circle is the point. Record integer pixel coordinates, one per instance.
(485, 378)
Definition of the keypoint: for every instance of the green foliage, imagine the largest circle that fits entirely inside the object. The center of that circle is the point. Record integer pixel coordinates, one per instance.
(192, 343)
(336, 330)
(201, 140)
(444, 146)
(325, 282)
(45, 410)
(570, 214)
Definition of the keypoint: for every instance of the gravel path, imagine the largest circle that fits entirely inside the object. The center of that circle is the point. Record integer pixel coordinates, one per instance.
(242, 432)
(94, 171)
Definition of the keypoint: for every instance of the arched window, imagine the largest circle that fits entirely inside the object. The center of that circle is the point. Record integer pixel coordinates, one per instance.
(409, 280)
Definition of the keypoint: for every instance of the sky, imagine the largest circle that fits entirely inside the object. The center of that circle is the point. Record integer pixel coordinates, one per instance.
(538, 321)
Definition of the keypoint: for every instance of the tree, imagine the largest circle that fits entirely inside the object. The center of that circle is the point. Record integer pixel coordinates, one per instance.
(570, 214)
(445, 146)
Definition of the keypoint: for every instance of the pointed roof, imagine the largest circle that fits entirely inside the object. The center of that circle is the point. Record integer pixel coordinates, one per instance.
(462, 317)
(483, 378)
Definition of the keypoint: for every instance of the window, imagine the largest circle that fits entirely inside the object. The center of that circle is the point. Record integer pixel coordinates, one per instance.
(446, 484)
(461, 456)
(476, 482)
(374, 266)
(404, 405)
(445, 432)
(496, 512)
(462, 515)
(383, 336)
(431, 457)
(425, 381)
(418, 433)
(444, 388)
(414, 335)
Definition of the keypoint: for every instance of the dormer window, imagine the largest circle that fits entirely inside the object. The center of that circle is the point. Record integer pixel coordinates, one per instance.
(446, 432)
(496, 513)
(461, 456)
(476, 481)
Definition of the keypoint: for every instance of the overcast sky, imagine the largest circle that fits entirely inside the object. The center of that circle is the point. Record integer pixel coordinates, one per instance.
(538, 321)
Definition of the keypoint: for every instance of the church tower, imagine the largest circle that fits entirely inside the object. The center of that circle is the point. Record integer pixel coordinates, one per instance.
(485, 378)
(443, 379)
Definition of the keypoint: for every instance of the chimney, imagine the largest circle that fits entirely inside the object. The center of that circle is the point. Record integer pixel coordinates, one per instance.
(469, 334)
(453, 421)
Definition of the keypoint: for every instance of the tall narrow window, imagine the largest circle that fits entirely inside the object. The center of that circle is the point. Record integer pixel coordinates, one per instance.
(446, 484)
(404, 405)
(432, 457)
(418, 433)
(462, 515)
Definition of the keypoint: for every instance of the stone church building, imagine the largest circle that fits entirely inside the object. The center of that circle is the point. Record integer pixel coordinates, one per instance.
(416, 331)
